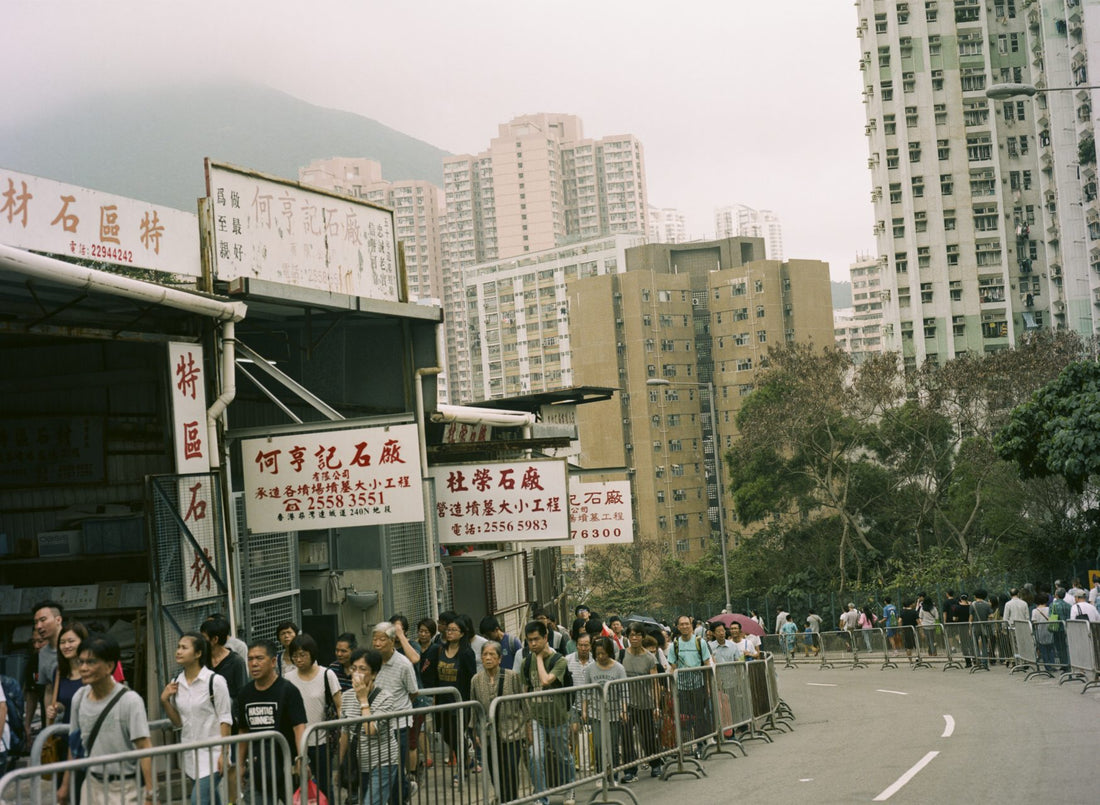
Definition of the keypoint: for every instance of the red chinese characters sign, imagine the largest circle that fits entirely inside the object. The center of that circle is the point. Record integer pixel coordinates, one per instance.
(516, 501)
(49, 216)
(599, 513)
(360, 476)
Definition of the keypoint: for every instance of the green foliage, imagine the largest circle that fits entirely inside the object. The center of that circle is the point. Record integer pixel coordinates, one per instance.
(1057, 432)
(1086, 150)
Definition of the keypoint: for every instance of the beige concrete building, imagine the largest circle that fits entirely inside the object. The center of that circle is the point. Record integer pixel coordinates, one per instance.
(541, 184)
(687, 314)
(987, 215)
(417, 208)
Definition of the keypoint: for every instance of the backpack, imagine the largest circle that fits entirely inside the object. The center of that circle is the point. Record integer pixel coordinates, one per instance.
(676, 647)
(567, 680)
(1053, 621)
(13, 694)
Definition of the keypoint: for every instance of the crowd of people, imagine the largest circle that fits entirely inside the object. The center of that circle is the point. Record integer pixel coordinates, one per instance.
(223, 687)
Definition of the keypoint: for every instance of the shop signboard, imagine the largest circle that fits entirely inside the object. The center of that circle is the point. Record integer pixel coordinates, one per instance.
(187, 374)
(506, 501)
(599, 513)
(280, 231)
(332, 478)
(83, 224)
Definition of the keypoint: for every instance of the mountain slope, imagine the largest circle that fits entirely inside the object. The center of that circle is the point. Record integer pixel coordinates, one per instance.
(150, 144)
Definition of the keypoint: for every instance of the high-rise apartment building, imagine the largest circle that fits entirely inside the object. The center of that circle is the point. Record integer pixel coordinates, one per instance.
(417, 213)
(687, 314)
(666, 225)
(518, 315)
(540, 184)
(986, 210)
(741, 221)
(859, 328)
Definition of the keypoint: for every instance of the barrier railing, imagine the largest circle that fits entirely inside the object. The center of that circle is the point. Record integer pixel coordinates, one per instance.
(364, 758)
(842, 647)
(124, 776)
(553, 736)
(1082, 659)
(163, 726)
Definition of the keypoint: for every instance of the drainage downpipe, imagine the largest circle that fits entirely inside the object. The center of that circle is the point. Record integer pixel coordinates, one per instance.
(229, 391)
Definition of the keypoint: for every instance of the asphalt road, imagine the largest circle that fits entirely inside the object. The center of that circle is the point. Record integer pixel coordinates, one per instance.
(857, 732)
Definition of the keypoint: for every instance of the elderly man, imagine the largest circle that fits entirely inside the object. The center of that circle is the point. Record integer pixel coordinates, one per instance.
(1083, 609)
(396, 676)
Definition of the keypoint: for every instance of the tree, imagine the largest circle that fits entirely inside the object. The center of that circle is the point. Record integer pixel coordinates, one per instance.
(1057, 432)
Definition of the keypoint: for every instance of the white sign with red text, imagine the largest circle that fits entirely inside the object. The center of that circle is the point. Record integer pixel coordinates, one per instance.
(509, 501)
(187, 383)
(280, 231)
(599, 513)
(332, 478)
(64, 219)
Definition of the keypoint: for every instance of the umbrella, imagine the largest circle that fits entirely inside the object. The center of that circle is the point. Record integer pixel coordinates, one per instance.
(636, 618)
(748, 625)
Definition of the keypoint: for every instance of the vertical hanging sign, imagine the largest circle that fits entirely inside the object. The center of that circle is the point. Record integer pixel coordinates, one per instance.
(192, 450)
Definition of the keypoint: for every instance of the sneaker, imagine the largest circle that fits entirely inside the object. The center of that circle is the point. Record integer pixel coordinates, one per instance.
(413, 786)
(655, 770)
(629, 777)
(569, 799)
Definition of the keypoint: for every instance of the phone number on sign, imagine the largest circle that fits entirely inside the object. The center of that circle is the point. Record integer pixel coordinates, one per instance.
(501, 526)
(322, 502)
(596, 533)
(111, 253)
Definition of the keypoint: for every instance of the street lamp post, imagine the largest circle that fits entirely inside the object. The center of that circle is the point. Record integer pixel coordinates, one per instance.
(709, 386)
(1003, 92)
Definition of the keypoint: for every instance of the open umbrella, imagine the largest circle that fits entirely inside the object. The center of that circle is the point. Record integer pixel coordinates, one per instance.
(636, 618)
(748, 625)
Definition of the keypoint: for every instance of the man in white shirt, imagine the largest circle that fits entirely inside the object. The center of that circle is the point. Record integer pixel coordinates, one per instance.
(1015, 608)
(397, 676)
(1083, 607)
(780, 619)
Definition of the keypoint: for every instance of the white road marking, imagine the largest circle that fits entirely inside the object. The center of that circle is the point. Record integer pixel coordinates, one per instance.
(806, 780)
(821, 684)
(909, 775)
(949, 727)
(895, 692)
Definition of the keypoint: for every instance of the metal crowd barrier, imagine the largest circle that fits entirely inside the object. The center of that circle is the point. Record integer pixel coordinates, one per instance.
(364, 759)
(555, 744)
(842, 647)
(1034, 651)
(1083, 650)
(163, 726)
(109, 779)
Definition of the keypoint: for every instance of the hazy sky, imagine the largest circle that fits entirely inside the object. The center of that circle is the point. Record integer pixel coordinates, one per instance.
(751, 101)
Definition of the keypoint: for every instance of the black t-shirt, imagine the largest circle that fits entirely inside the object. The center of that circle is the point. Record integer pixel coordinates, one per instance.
(235, 671)
(909, 617)
(949, 610)
(278, 708)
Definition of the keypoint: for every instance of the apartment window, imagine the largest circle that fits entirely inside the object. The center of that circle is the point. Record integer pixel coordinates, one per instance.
(914, 152)
(1002, 43)
(973, 79)
(948, 220)
(1010, 147)
(744, 364)
(975, 113)
(926, 292)
(759, 311)
(920, 221)
(880, 23)
(908, 82)
(762, 336)
(943, 150)
(979, 147)
(903, 13)
(758, 286)
(918, 186)
(899, 227)
(905, 47)
(911, 118)
(930, 13)
(947, 184)
(929, 328)
(884, 56)
(1023, 144)
(956, 290)
(895, 192)
(887, 90)
(1014, 43)
(983, 182)
(970, 43)
(952, 254)
(892, 158)
(988, 252)
(924, 257)
(901, 262)
(889, 124)
(937, 85)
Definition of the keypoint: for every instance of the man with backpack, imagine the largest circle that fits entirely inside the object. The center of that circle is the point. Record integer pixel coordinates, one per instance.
(548, 731)
(688, 651)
